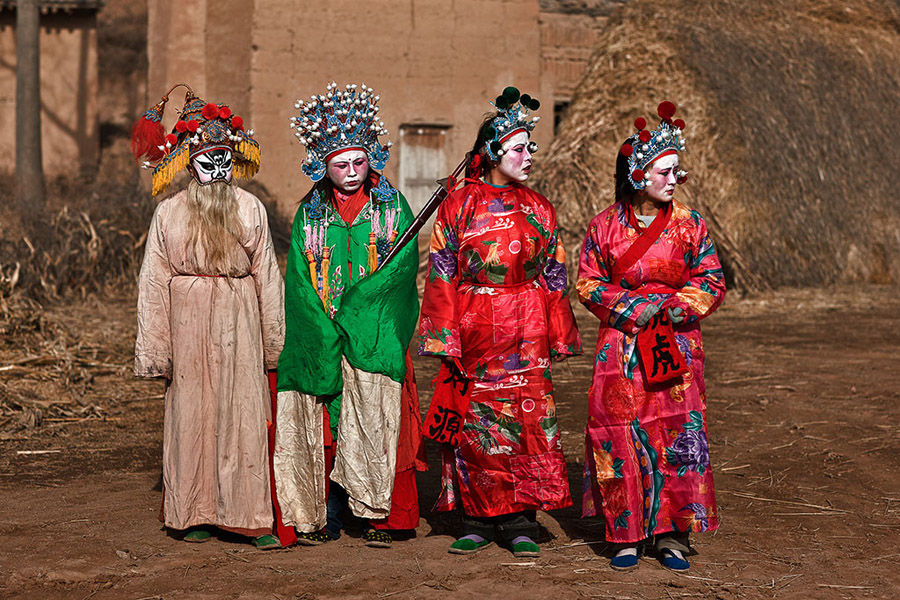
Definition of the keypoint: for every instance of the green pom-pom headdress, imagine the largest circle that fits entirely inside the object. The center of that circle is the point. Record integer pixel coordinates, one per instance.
(513, 109)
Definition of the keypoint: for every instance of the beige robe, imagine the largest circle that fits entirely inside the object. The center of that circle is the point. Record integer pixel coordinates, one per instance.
(213, 339)
(366, 459)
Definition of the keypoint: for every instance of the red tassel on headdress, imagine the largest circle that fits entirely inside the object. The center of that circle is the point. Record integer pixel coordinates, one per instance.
(473, 167)
(147, 134)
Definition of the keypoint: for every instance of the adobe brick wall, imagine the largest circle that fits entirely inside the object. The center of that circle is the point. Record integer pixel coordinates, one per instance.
(432, 62)
(69, 129)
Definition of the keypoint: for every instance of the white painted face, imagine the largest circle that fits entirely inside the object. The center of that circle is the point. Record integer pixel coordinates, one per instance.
(348, 170)
(661, 178)
(215, 165)
(515, 164)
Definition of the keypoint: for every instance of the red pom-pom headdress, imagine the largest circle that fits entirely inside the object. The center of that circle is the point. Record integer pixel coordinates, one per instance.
(202, 126)
(645, 146)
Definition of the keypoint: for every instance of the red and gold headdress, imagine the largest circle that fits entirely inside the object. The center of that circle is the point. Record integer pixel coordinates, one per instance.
(648, 145)
(202, 126)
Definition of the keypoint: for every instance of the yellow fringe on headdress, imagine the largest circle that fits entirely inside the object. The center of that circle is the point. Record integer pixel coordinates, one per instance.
(249, 150)
(171, 165)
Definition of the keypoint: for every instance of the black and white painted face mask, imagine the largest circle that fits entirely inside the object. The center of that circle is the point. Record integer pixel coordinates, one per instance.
(214, 165)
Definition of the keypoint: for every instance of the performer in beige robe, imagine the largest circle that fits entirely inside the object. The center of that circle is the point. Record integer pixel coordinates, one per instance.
(211, 322)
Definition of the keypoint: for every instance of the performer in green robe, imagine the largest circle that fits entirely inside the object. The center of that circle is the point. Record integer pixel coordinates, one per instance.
(348, 325)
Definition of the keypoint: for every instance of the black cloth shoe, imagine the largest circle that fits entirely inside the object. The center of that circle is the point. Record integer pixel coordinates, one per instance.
(377, 539)
(315, 538)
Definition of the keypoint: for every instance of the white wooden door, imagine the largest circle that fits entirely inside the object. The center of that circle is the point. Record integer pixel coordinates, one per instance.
(423, 160)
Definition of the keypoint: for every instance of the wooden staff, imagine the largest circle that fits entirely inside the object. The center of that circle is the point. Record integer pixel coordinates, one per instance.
(443, 190)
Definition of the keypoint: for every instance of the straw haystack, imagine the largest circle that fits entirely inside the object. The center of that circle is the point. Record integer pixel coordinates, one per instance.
(792, 109)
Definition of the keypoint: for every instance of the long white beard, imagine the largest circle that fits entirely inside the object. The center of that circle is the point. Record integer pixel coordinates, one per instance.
(215, 229)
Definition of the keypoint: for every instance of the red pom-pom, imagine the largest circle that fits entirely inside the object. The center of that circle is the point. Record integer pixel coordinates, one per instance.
(627, 149)
(640, 123)
(210, 111)
(181, 126)
(637, 175)
(146, 138)
(665, 110)
(192, 125)
(171, 139)
(474, 168)
(237, 122)
(224, 112)
(644, 135)
(679, 123)
(681, 178)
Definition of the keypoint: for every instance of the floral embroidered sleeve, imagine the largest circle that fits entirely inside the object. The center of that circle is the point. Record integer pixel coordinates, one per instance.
(705, 290)
(439, 327)
(614, 305)
(563, 332)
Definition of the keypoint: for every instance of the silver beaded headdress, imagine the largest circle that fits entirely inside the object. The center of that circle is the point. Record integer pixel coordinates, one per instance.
(647, 145)
(339, 120)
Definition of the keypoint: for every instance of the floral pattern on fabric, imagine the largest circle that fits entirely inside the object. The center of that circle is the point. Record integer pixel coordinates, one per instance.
(660, 434)
(691, 448)
(496, 300)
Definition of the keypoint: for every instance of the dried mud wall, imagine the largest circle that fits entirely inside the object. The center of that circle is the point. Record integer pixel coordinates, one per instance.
(69, 119)
(790, 110)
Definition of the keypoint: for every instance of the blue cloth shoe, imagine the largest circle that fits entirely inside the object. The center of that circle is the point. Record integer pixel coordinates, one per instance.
(624, 562)
(671, 561)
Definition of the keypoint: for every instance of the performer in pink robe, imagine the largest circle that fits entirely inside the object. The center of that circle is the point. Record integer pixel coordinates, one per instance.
(647, 467)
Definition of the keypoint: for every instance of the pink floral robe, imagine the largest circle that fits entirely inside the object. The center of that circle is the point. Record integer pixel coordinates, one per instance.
(647, 453)
(496, 300)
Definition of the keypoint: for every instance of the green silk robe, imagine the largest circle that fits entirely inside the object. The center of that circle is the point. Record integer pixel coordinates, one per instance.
(368, 318)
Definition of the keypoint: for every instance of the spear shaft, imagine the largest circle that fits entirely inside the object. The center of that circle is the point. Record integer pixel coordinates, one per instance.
(438, 196)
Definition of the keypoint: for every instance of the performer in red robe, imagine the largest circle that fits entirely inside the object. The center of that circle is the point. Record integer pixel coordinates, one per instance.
(496, 311)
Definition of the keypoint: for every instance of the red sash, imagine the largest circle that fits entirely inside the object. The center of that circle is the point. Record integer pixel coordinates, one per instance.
(658, 352)
(645, 239)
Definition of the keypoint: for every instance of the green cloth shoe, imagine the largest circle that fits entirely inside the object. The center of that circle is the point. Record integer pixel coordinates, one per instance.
(467, 545)
(377, 539)
(197, 536)
(266, 542)
(525, 549)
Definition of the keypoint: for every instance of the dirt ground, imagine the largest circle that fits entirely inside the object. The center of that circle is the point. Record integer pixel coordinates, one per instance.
(804, 425)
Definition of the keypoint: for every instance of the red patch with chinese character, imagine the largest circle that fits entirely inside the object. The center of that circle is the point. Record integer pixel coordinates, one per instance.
(452, 394)
(661, 360)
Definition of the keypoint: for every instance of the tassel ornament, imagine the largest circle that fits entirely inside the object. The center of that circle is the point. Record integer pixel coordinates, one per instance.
(326, 289)
(373, 253)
